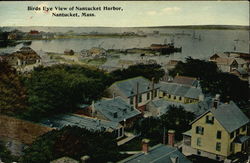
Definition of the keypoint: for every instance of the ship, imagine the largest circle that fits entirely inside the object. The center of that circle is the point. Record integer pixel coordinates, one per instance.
(165, 48)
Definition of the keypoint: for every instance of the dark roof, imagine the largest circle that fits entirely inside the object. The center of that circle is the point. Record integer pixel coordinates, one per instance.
(62, 120)
(128, 87)
(158, 154)
(185, 80)
(25, 53)
(241, 71)
(241, 139)
(196, 108)
(228, 115)
(180, 90)
(116, 106)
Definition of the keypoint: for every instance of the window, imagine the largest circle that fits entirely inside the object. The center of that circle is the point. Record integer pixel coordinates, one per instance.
(198, 142)
(218, 135)
(169, 96)
(155, 95)
(148, 95)
(131, 100)
(164, 94)
(232, 135)
(218, 146)
(180, 98)
(174, 97)
(244, 128)
(231, 147)
(199, 130)
(140, 98)
(209, 119)
(217, 157)
(237, 131)
(198, 152)
(115, 115)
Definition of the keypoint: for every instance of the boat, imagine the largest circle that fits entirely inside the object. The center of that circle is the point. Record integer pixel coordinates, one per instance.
(27, 42)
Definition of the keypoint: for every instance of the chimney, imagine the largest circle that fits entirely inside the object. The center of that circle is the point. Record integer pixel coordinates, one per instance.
(171, 135)
(93, 109)
(153, 87)
(137, 95)
(201, 97)
(85, 159)
(174, 158)
(145, 146)
(216, 101)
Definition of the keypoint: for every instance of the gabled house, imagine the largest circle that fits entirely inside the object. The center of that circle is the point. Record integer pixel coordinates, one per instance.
(59, 121)
(158, 107)
(180, 93)
(158, 154)
(241, 73)
(227, 62)
(219, 132)
(136, 91)
(186, 80)
(24, 59)
(114, 110)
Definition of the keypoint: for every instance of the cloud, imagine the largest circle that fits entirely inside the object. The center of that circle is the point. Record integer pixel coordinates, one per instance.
(164, 11)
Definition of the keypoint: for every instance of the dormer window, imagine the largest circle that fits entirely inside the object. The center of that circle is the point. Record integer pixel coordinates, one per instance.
(115, 115)
(131, 100)
(209, 119)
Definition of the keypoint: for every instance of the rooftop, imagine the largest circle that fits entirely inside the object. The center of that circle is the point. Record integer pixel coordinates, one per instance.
(116, 109)
(180, 90)
(158, 154)
(228, 115)
(62, 120)
(197, 108)
(26, 53)
(128, 87)
(186, 80)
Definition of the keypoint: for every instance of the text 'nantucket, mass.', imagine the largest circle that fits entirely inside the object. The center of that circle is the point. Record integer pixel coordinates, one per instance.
(73, 11)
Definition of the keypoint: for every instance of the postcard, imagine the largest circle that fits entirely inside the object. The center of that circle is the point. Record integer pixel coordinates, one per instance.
(124, 81)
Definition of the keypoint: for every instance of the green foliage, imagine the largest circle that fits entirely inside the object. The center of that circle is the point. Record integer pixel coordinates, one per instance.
(175, 119)
(12, 92)
(212, 81)
(5, 154)
(148, 71)
(62, 88)
(73, 142)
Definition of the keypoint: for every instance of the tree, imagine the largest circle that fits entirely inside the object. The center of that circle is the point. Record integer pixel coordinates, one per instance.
(12, 92)
(176, 119)
(73, 142)
(5, 154)
(213, 81)
(148, 71)
(62, 88)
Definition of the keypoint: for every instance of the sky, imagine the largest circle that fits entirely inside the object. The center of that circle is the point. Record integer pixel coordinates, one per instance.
(134, 14)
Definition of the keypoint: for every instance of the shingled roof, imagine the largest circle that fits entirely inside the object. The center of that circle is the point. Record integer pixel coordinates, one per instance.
(196, 108)
(180, 90)
(186, 80)
(228, 115)
(158, 154)
(128, 87)
(62, 120)
(116, 109)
